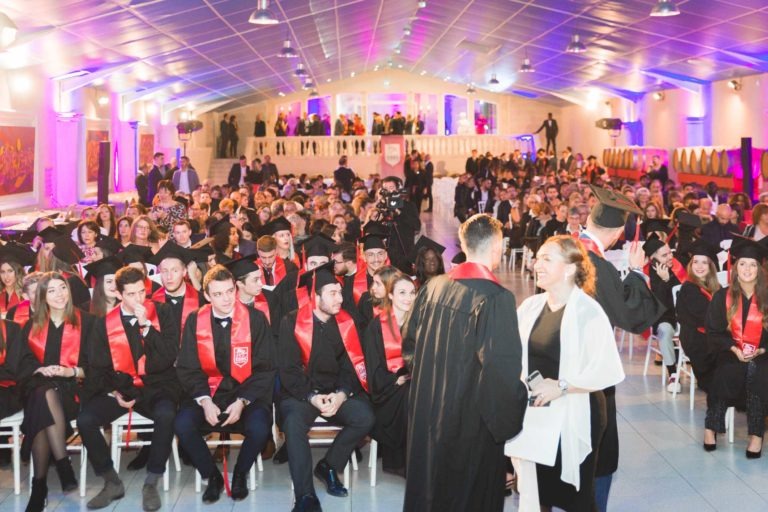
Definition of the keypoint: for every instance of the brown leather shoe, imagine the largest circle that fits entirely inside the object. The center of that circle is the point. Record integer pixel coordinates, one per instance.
(269, 450)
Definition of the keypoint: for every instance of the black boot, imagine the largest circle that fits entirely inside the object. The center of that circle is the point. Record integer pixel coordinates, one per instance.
(239, 485)
(39, 496)
(66, 475)
(215, 485)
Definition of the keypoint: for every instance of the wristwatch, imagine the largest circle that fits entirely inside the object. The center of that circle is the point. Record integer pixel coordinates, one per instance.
(563, 385)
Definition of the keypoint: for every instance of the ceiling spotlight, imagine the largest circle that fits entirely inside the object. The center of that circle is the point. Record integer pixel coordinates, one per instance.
(665, 8)
(493, 80)
(390, 63)
(281, 94)
(423, 72)
(287, 52)
(422, 4)
(735, 85)
(103, 100)
(308, 84)
(407, 30)
(526, 66)
(300, 71)
(576, 46)
(658, 95)
(398, 49)
(352, 74)
(262, 15)
(8, 31)
(313, 93)
(471, 89)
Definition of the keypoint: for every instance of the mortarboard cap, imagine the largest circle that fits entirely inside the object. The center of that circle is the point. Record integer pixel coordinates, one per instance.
(318, 245)
(747, 248)
(107, 243)
(612, 208)
(104, 267)
(278, 224)
(654, 225)
(200, 254)
(135, 253)
(50, 234)
(426, 243)
(373, 241)
(221, 258)
(686, 219)
(701, 247)
(242, 267)
(67, 250)
(170, 250)
(652, 245)
(375, 228)
(220, 226)
(16, 252)
(50, 217)
(460, 258)
(182, 199)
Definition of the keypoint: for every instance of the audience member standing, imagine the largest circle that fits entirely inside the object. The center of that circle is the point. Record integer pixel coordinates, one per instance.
(224, 136)
(234, 138)
(155, 176)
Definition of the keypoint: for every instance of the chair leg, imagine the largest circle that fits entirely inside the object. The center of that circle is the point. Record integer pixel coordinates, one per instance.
(260, 464)
(198, 481)
(16, 456)
(647, 356)
(373, 461)
(252, 485)
(83, 469)
(175, 452)
(729, 423)
(166, 477)
(346, 473)
(354, 461)
(692, 390)
(115, 446)
(631, 345)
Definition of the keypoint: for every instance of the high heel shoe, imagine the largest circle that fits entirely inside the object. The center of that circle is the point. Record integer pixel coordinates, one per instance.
(754, 455)
(711, 447)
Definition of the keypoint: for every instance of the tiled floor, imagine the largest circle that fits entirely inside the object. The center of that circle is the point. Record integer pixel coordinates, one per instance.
(662, 467)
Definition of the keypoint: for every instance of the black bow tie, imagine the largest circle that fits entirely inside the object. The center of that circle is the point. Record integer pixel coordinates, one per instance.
(222, 321)
(131, 319)
(174, 300)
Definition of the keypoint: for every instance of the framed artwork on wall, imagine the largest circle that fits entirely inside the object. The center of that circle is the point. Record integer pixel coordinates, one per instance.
(19, 160)
(96, 131)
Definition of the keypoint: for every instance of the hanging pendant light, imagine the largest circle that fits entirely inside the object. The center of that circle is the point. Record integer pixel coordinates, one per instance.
(314, 93)
(262, 15)
(300, 71)
(526, 66)
(493, 80)
(471, 89)
(287, 52)
(664, 8)
(576, 46)
(308, 84)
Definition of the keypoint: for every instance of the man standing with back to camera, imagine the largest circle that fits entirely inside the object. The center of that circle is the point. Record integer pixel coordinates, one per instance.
(462, 347)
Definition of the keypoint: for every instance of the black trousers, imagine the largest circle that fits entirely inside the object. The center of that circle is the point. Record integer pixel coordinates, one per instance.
(103, 410)
(255, 424)
(551, 140)
(355, 415)
(428, 197)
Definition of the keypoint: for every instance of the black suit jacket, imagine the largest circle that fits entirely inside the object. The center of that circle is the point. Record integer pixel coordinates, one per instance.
(428, 176)
(550, 128)
(155, 176)
(234, 175)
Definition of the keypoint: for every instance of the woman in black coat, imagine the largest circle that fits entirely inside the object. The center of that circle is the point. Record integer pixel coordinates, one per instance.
(388, 379)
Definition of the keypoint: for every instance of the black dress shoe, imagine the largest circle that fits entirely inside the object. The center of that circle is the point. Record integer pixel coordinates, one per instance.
(711, 447)
(281, 455)
(141, 459)
(239, 486)
(215, 486)
(330, 478)
(307, 503)
(754, 455)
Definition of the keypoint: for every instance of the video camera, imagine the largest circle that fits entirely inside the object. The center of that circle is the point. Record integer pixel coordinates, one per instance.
(391, 201)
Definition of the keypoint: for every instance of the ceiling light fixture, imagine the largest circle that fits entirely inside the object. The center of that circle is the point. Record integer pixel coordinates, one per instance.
(526, 66)
(262, 15)
(658, 95)
(735, 85)
(423, 72)
(287, 52)
(664, 8)
(352, 74)
(8, 31)
(576, 46)
(422, 4)
(300, 71)
(471, 89)
(313, 93)
(281, 94)
(308, 84)
(398, 49)
(407, 30)
(493, 80)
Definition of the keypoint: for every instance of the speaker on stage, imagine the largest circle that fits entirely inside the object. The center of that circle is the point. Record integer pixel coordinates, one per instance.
(102, 193)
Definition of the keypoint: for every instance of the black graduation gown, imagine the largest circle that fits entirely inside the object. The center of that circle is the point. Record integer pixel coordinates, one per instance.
(285, 293)
(329, 367)
(663, 291)
(176, 309)
(10, 402)
(390, 401)
(692, 315)
(461, 344)
(362, 312)
(274, 312)
(24, 363)
(631, 306)
(161, 350)
(81, 296)
(730, 375)
(258, 388)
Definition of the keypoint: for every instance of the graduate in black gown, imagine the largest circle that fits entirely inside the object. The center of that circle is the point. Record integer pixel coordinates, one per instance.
(462, 348)
(64, 258)
(692, 303)
(628, 302)
(49, 367)
(357, 297)
(736, 331)
(388, 378)
(10, 402)
(250, 288)
(291, 293)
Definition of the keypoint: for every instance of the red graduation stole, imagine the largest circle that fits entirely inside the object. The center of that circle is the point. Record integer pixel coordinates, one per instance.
(278, 273)
(393, 342)
(590, 245)
(70, 342)
(360, 281)
(148, 287)
(303, 334)
(708, 295)
(21, 315)
(240, 366)
(471, 270)
(120, 349)
(4, 383)
(747, 337)
(191, 302)
(260, 303)
(8, 300)
(680, 273)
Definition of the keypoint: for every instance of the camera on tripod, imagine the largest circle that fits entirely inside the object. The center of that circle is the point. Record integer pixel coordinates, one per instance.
(391, 201)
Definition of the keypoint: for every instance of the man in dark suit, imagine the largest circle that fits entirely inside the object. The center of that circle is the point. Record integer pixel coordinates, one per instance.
(658, 170)
(224, 136)
(156, 174)
(141, 186)
(720, 228)
(397, 124)
(567, 163)
(428, 178)
(550, 131)
(240, 174)
(471, 165)
(419, 125)
(269, 172)
(260, 131)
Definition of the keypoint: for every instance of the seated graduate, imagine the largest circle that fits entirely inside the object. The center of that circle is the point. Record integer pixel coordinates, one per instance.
(427, 257)
(569, 357)
(388, 378)
(137, 256)
(226, 367)
(105, 295)
(132, 354)
(275, 269)
(280, 229)
(250, 287)
(13, 258)
(20, 312)
(736, 332)
(356, 287)
(64, 258)
(48, 368)
(292, 294)
(322, 372)
(693, 300)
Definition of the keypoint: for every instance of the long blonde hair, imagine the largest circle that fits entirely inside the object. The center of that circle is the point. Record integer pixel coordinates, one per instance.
(41, 312)
(710, 282)
(760, 294)
(573, 251)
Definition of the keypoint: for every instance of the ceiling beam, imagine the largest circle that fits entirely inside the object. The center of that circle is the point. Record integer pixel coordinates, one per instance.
(681, 81)
(634, 97)
(69, 85)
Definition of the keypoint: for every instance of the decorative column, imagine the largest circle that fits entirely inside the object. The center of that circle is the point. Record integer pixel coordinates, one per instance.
(69, 145)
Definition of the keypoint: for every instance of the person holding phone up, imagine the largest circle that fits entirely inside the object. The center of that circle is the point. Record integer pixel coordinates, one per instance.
(569, 357)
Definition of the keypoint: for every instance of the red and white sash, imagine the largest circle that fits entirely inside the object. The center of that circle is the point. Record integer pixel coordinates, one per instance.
(240, 366)
(120, 348)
